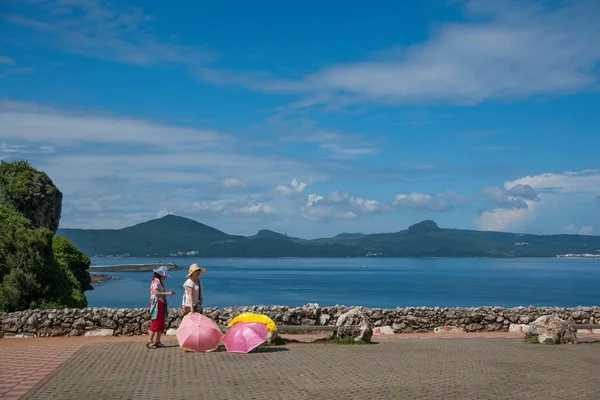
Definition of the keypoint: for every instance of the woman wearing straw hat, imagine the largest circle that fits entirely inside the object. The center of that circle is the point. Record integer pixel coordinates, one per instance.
(158, 307)
(192, 294)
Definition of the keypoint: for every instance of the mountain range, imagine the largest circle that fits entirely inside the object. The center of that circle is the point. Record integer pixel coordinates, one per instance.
(178, 236)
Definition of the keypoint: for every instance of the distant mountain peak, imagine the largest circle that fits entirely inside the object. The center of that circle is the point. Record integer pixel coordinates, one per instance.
(171, 221)
(424, 226)
(345, 234)
(269, 233)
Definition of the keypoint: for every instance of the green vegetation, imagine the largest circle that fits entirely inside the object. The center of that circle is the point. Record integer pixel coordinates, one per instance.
(533, 340)
(338, 340)
(72, 261)
(36, 270)
(173, 235)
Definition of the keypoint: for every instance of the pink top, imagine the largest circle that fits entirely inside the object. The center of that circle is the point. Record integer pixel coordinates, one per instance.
(156, 285)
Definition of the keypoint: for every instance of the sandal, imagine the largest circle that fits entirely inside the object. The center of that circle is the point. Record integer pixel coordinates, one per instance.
(151, 345)
(160, 345)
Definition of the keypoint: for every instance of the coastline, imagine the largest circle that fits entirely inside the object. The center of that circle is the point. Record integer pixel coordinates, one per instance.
(134, 267)
(99, 278)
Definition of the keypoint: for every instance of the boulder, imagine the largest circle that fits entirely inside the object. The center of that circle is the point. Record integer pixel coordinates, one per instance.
(448, 329)
(551, 329)
(79, 324)
(522, 328)
(355, 324)
(100, 332)
(383, 330)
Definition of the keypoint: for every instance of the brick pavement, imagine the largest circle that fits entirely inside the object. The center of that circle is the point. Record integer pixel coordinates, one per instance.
(396, 367)
(23, 367)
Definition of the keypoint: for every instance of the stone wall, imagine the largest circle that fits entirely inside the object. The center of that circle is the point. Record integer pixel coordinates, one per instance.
(107, 321)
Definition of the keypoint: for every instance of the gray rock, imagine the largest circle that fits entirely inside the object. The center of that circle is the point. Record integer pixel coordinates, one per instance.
(324, 319)
(355, 324)
(100, 332)
(79, 324)
(551, 329)
(474, 327)
(107, 323)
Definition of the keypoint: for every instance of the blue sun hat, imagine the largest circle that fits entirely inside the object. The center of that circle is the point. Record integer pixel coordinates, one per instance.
(162, 270)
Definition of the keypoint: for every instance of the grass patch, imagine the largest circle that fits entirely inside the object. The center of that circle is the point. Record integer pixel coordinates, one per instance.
(533, 340)
(337, 340)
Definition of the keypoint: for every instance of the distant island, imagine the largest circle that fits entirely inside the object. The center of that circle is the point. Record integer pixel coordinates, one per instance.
(174, 236)
(136, 268)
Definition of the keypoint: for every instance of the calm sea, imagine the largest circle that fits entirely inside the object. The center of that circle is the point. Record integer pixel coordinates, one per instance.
(385, 283)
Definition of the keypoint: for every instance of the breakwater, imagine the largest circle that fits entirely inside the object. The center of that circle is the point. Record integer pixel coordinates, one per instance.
(136, 321)
(135, 268)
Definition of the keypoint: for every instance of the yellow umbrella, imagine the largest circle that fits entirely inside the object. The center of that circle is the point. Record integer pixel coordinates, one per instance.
(251, 317)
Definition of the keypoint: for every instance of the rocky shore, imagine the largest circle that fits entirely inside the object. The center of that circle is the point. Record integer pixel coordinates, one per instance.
(99, 278)
(107, 321)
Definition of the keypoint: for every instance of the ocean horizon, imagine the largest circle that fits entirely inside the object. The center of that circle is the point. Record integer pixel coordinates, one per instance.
(369, 282)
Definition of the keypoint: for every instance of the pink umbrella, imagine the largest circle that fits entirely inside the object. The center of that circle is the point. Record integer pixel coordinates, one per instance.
(243, 337)
(198, 333)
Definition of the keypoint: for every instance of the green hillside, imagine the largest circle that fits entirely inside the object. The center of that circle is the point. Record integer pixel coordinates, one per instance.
(173, 235)
(37, 268)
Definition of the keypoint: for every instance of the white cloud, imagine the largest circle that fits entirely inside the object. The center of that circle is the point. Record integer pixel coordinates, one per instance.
(506, 219)
(543, 200)
(568, 182)
(21, 149)
(141, 151)
(291, 128)
(511, 199)
(366, 205)
(504, 50)
(348, 151)
(570, 229)
(316, 210)
(233, 183)
(296, 187)
(48, 125)
(162, 213)
(339, 205)
(255, 208)
(6, 60)
(155, 166)
(95, 29)
(455, 197)
(208, 207)
(422, 201)
(586, 230)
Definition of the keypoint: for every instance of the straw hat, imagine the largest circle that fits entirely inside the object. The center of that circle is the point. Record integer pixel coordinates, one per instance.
(162, 271)
(194, 268)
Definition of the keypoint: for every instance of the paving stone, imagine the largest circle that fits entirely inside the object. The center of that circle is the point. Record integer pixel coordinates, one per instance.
(404, 369)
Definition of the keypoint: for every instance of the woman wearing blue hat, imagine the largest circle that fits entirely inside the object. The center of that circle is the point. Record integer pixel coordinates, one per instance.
(158, 306)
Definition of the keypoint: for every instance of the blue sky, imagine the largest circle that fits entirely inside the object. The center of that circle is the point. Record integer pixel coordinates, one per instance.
(313, 119)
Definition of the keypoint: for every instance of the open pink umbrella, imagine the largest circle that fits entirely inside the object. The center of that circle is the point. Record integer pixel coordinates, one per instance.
(198, 333)
(243, 337)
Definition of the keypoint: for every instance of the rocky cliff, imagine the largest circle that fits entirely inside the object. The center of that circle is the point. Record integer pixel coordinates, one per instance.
(32, 193)
(36, 270)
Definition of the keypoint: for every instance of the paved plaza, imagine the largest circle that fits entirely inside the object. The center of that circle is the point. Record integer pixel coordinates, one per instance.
(492, 366)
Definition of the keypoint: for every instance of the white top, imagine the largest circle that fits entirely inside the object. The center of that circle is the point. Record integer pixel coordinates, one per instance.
(195, 293)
